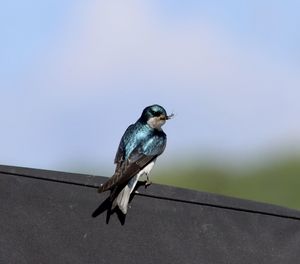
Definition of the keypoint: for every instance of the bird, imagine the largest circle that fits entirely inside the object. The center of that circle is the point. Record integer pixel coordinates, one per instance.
(138, 150)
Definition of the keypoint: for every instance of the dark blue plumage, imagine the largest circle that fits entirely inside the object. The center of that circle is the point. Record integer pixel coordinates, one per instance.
(139, 147)
(149, 141)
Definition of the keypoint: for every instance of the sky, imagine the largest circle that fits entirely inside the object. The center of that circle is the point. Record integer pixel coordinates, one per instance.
(75, 74)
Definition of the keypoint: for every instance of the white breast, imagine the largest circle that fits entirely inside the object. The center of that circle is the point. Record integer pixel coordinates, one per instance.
(147, 169)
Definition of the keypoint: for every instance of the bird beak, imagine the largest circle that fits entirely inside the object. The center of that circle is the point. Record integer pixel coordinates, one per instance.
(169, 116)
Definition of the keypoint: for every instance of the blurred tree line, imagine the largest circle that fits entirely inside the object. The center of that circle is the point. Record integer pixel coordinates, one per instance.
(275, 181)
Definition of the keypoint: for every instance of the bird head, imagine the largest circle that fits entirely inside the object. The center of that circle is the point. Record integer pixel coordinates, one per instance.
(155, 116)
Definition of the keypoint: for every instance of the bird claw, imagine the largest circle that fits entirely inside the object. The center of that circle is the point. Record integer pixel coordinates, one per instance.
(147, 184)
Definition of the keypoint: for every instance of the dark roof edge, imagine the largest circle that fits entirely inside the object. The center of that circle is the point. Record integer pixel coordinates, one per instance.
(156, 191)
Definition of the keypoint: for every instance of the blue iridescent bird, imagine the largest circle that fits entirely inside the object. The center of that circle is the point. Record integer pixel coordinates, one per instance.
(140, 145)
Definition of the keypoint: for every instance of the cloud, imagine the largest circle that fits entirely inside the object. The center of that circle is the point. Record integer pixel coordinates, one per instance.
(111, 42)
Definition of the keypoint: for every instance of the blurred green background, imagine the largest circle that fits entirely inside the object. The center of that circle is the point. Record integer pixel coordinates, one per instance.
(274, 180)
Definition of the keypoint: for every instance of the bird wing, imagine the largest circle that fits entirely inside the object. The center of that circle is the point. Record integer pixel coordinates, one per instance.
(121, 152)
(139, 158)
(119, 159)
(127, 169)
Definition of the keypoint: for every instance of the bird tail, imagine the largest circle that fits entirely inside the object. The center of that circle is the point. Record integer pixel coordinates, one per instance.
(122, 200)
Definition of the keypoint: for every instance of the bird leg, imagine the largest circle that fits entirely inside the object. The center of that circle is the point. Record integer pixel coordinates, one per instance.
(147, 182)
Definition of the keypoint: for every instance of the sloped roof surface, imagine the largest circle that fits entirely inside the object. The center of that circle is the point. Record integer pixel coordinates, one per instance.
(55, 217)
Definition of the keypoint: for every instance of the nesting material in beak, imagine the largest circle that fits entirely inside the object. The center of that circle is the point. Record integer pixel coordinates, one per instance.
(169, 116)
(163, 117)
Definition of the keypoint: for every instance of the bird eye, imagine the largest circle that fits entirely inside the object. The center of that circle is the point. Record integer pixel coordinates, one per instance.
(155, 113)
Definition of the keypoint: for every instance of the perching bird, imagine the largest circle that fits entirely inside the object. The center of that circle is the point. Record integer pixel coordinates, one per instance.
(140, 145)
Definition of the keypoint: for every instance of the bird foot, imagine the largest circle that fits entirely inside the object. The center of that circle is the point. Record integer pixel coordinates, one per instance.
(147, 183)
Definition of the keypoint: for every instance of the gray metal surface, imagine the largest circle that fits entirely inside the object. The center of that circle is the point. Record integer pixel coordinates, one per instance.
(54, 217)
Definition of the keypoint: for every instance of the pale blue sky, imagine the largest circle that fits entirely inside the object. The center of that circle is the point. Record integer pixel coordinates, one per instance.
(74, 74)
